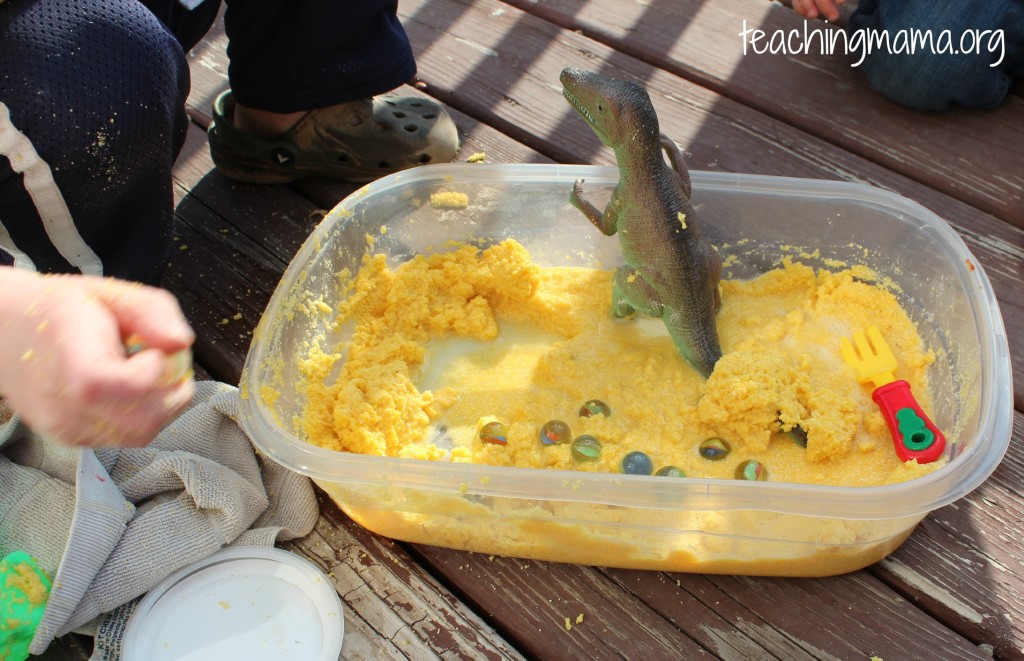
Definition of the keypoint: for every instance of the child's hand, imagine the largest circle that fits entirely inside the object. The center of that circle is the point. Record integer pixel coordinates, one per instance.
(828, 9)
(63, 364)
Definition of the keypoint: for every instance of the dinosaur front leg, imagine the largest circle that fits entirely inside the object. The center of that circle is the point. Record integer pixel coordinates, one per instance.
(602, 221)
(631, 293)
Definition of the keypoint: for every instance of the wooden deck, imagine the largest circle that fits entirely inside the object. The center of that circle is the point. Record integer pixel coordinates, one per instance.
(954, 590)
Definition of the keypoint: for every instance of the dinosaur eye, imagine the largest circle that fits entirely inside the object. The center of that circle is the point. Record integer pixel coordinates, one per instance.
(600, 108)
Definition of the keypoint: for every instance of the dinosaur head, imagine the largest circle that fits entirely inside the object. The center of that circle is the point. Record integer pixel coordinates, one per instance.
(619, 112)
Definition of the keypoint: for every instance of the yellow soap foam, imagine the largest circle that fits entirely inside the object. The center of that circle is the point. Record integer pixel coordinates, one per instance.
(537, 342)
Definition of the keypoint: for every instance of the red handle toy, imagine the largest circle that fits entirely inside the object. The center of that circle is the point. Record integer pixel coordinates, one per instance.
(914, 435)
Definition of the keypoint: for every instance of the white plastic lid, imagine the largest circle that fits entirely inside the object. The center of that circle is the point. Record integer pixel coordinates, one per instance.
(250, 602)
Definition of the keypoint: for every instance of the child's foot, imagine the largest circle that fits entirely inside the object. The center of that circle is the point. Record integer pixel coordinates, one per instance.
(355, 141)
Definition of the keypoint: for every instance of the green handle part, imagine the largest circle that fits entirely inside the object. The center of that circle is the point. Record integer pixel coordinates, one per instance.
(24, 589)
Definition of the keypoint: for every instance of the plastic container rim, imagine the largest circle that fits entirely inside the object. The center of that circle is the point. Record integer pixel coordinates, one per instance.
(962, 475)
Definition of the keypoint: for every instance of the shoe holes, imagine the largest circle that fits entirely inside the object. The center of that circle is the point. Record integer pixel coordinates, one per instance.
(390, 103)
(429, 116)
(425, 158)
(399, 115)
(411, 128)
(416, 104)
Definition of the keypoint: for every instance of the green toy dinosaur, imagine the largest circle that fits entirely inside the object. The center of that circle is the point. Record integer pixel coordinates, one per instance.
(671, 271)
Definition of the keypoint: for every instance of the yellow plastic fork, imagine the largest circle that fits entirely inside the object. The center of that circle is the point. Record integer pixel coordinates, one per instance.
(870, 356)
(914, 435)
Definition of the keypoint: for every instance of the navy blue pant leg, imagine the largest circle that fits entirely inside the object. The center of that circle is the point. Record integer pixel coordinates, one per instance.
(98, 89)
(292, 55)
(938, 81)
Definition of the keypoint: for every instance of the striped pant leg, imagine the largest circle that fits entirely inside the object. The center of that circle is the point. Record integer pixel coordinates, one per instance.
(92, 118)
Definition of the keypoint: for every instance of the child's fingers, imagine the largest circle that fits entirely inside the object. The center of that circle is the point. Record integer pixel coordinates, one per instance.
(806, 8)
(829, 9)
(120, 401)
(151, 314)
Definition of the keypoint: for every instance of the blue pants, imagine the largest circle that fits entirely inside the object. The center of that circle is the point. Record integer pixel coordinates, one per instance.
(92, 101)
(938, 81)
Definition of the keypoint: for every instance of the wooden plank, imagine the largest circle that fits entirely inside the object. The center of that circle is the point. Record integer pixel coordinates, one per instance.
(72, 647)
(1000, 248)
(501, 66)
(657, 615)
(539, 604)
(977, 157)
(842, 617)
(961, 563)
(223, 279)
(393, 608)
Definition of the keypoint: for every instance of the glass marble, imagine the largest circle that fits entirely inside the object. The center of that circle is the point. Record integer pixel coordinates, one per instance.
(637, 463)
(752, 470)
(494, 433)
(555, 432)
(595, 407)
(670, 471)
(714, 449)
(586, 448)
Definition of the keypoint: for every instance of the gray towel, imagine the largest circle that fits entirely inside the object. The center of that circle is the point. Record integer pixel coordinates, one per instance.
(109, 524)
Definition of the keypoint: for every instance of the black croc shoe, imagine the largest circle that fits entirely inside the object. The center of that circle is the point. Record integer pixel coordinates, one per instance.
(356, 141)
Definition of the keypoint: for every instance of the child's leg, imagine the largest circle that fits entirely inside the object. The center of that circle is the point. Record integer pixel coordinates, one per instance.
(288, 56)
(937, 81)
(95, 98)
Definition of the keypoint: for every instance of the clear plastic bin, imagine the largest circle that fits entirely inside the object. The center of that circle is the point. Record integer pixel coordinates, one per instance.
(694, 525)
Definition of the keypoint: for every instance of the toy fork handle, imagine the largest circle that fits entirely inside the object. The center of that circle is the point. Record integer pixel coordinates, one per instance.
(914, 435)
